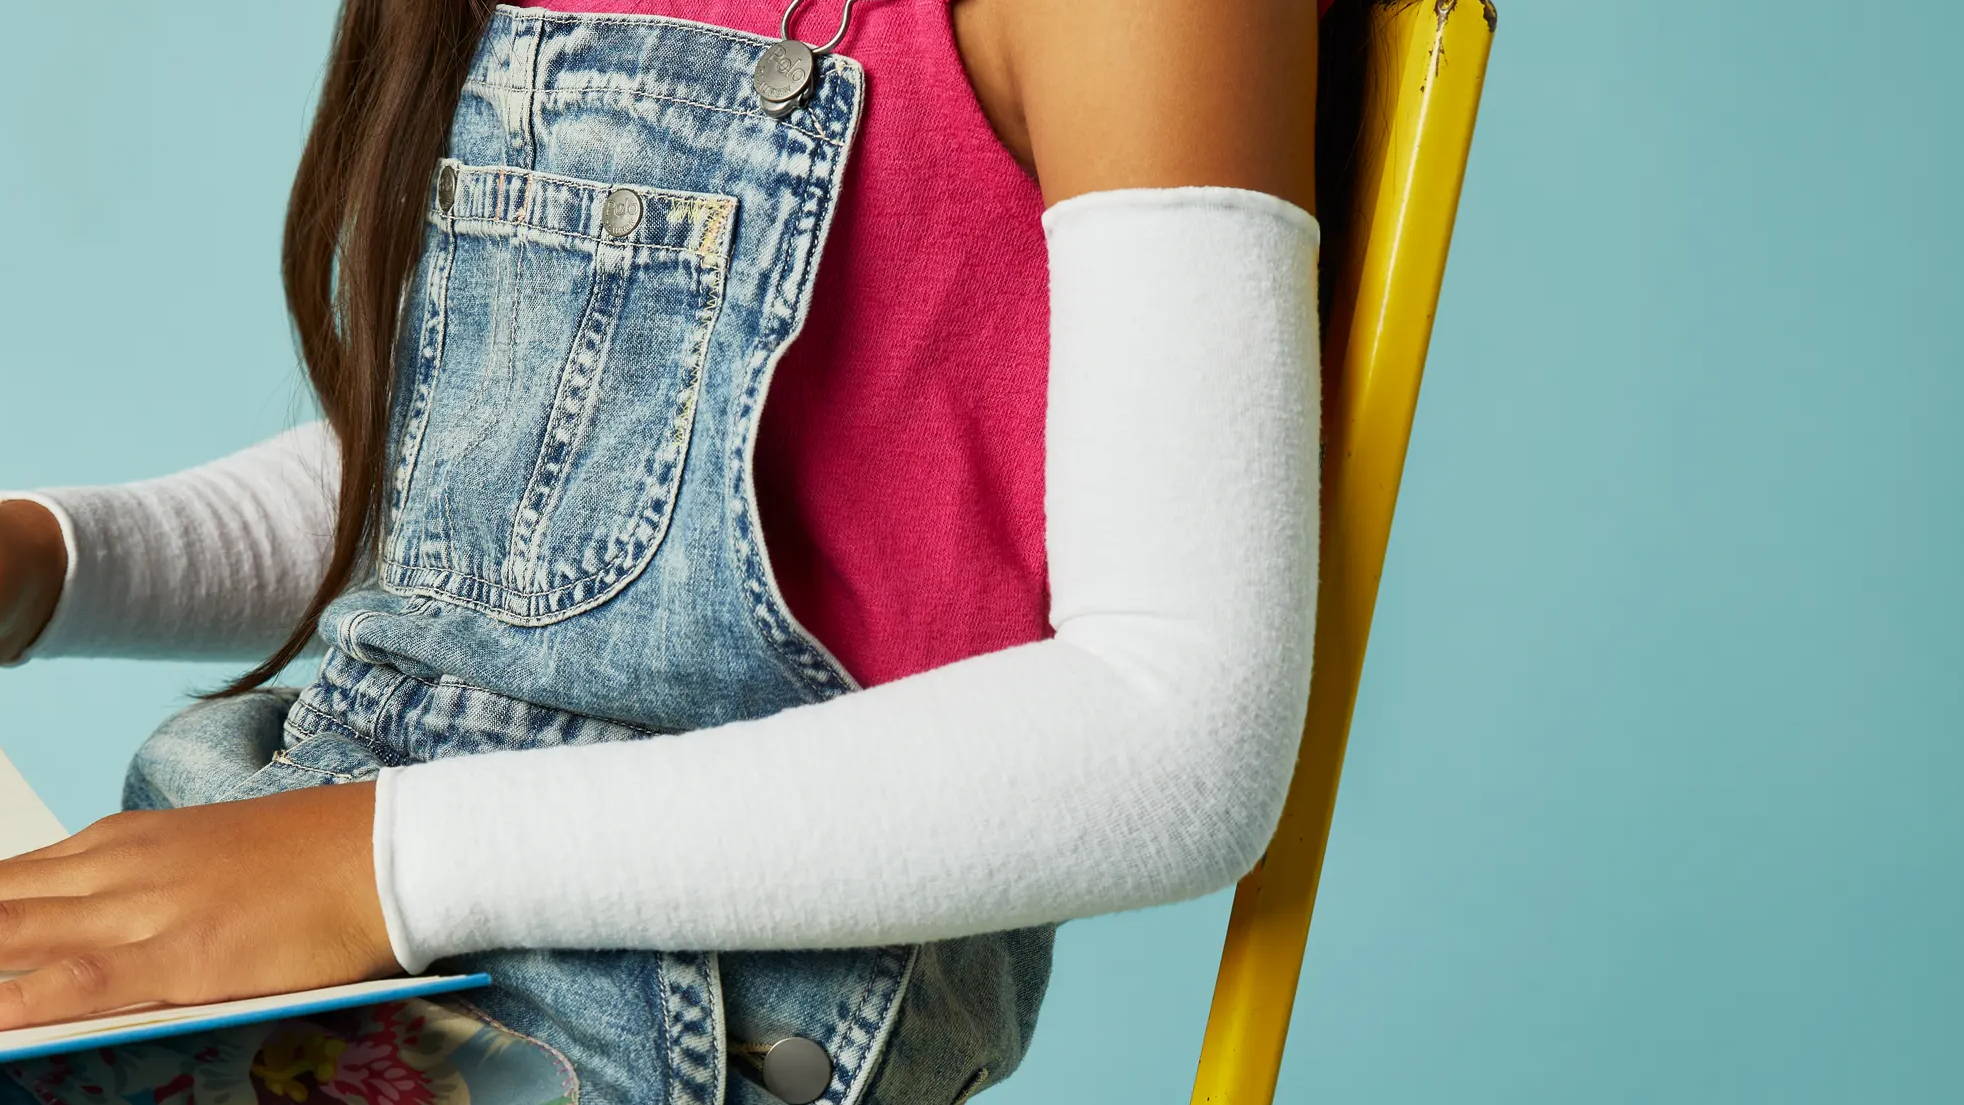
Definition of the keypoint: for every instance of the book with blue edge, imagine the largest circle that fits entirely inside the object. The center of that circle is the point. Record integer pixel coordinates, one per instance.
(26, 824)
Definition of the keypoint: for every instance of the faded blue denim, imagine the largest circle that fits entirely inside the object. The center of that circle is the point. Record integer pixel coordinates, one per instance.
(573, 552)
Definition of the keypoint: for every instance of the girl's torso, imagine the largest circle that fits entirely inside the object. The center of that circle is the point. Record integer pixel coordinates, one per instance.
(620, 249)
(619, 246)
(899, 461)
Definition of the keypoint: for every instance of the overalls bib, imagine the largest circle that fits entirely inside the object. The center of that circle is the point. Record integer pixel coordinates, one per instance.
(620, 243)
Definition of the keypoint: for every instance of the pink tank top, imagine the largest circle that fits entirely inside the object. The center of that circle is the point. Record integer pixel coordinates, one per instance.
(900, 453)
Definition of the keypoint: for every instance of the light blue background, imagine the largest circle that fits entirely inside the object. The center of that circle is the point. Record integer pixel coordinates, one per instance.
(1654, 789)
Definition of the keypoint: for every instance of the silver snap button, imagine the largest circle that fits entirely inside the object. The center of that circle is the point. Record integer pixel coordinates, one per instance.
(797, 1071)
(622, 212)
(446, 188)
(784, 76)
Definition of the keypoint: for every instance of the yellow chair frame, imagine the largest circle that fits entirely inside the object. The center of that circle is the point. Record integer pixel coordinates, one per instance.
(1424, 62)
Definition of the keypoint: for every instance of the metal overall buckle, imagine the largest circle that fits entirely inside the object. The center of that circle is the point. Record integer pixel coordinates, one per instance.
(789, 68)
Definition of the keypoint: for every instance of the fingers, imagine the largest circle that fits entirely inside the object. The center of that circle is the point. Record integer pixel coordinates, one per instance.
(67, 846)
(78, 986)
(76, 866)
(53, 877)
(35, 932)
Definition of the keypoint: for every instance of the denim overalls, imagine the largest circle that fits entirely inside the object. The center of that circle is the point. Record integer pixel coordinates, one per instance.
(619, 244)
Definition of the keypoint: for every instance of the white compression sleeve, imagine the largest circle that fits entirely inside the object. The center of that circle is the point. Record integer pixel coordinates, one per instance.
(214, 562)
(1140, 756)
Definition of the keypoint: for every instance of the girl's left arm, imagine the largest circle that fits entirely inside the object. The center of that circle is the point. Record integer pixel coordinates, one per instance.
(1163, 93)
(1138, 756)
(214, 562)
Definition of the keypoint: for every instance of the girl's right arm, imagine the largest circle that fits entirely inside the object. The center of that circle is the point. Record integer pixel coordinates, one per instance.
(214, 562)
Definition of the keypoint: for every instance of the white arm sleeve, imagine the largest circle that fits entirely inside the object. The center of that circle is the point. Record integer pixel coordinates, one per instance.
(1139, 756)
(214, 562)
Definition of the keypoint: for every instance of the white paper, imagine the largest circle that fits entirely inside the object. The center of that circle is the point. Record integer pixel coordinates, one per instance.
(25, 823)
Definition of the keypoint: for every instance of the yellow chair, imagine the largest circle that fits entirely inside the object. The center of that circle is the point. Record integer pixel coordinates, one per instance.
(1398, 91)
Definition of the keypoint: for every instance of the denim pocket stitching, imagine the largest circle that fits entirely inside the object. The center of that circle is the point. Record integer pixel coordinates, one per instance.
(525, 592)
(544, 607)
(693, 1075)
(573, 402)
(388, 757)
(692, 220)
(854, 1082)
(452, 683)
(282, 757)
(556, 232)
(429, 362)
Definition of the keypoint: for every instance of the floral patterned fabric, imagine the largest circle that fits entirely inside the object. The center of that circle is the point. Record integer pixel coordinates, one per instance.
(412, 1052)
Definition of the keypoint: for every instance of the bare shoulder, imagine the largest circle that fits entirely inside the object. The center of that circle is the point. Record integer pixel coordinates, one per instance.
(1100, 94)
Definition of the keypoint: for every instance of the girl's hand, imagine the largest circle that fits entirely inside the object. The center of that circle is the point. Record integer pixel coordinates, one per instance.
(193, 905)
(33, 563)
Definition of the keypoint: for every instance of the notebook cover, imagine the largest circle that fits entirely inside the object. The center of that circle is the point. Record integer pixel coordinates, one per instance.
(165, 1021)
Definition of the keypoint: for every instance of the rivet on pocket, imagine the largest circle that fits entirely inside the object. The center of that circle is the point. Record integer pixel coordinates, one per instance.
(622, 212)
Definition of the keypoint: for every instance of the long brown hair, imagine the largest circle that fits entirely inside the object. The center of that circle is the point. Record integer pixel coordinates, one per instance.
(353, 232)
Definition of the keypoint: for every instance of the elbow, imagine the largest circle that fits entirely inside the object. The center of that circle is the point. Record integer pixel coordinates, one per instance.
(1251, 794)
(1207, 708)
(1232, 759)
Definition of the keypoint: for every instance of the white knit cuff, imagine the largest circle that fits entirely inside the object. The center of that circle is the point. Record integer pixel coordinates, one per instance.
(1214, 197)
(66, 604)
(413, 959)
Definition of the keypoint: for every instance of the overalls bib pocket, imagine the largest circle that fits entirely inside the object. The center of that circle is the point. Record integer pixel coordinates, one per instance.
(552, 358)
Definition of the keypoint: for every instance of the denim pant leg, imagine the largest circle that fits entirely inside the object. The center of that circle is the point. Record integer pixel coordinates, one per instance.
(207, 750)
